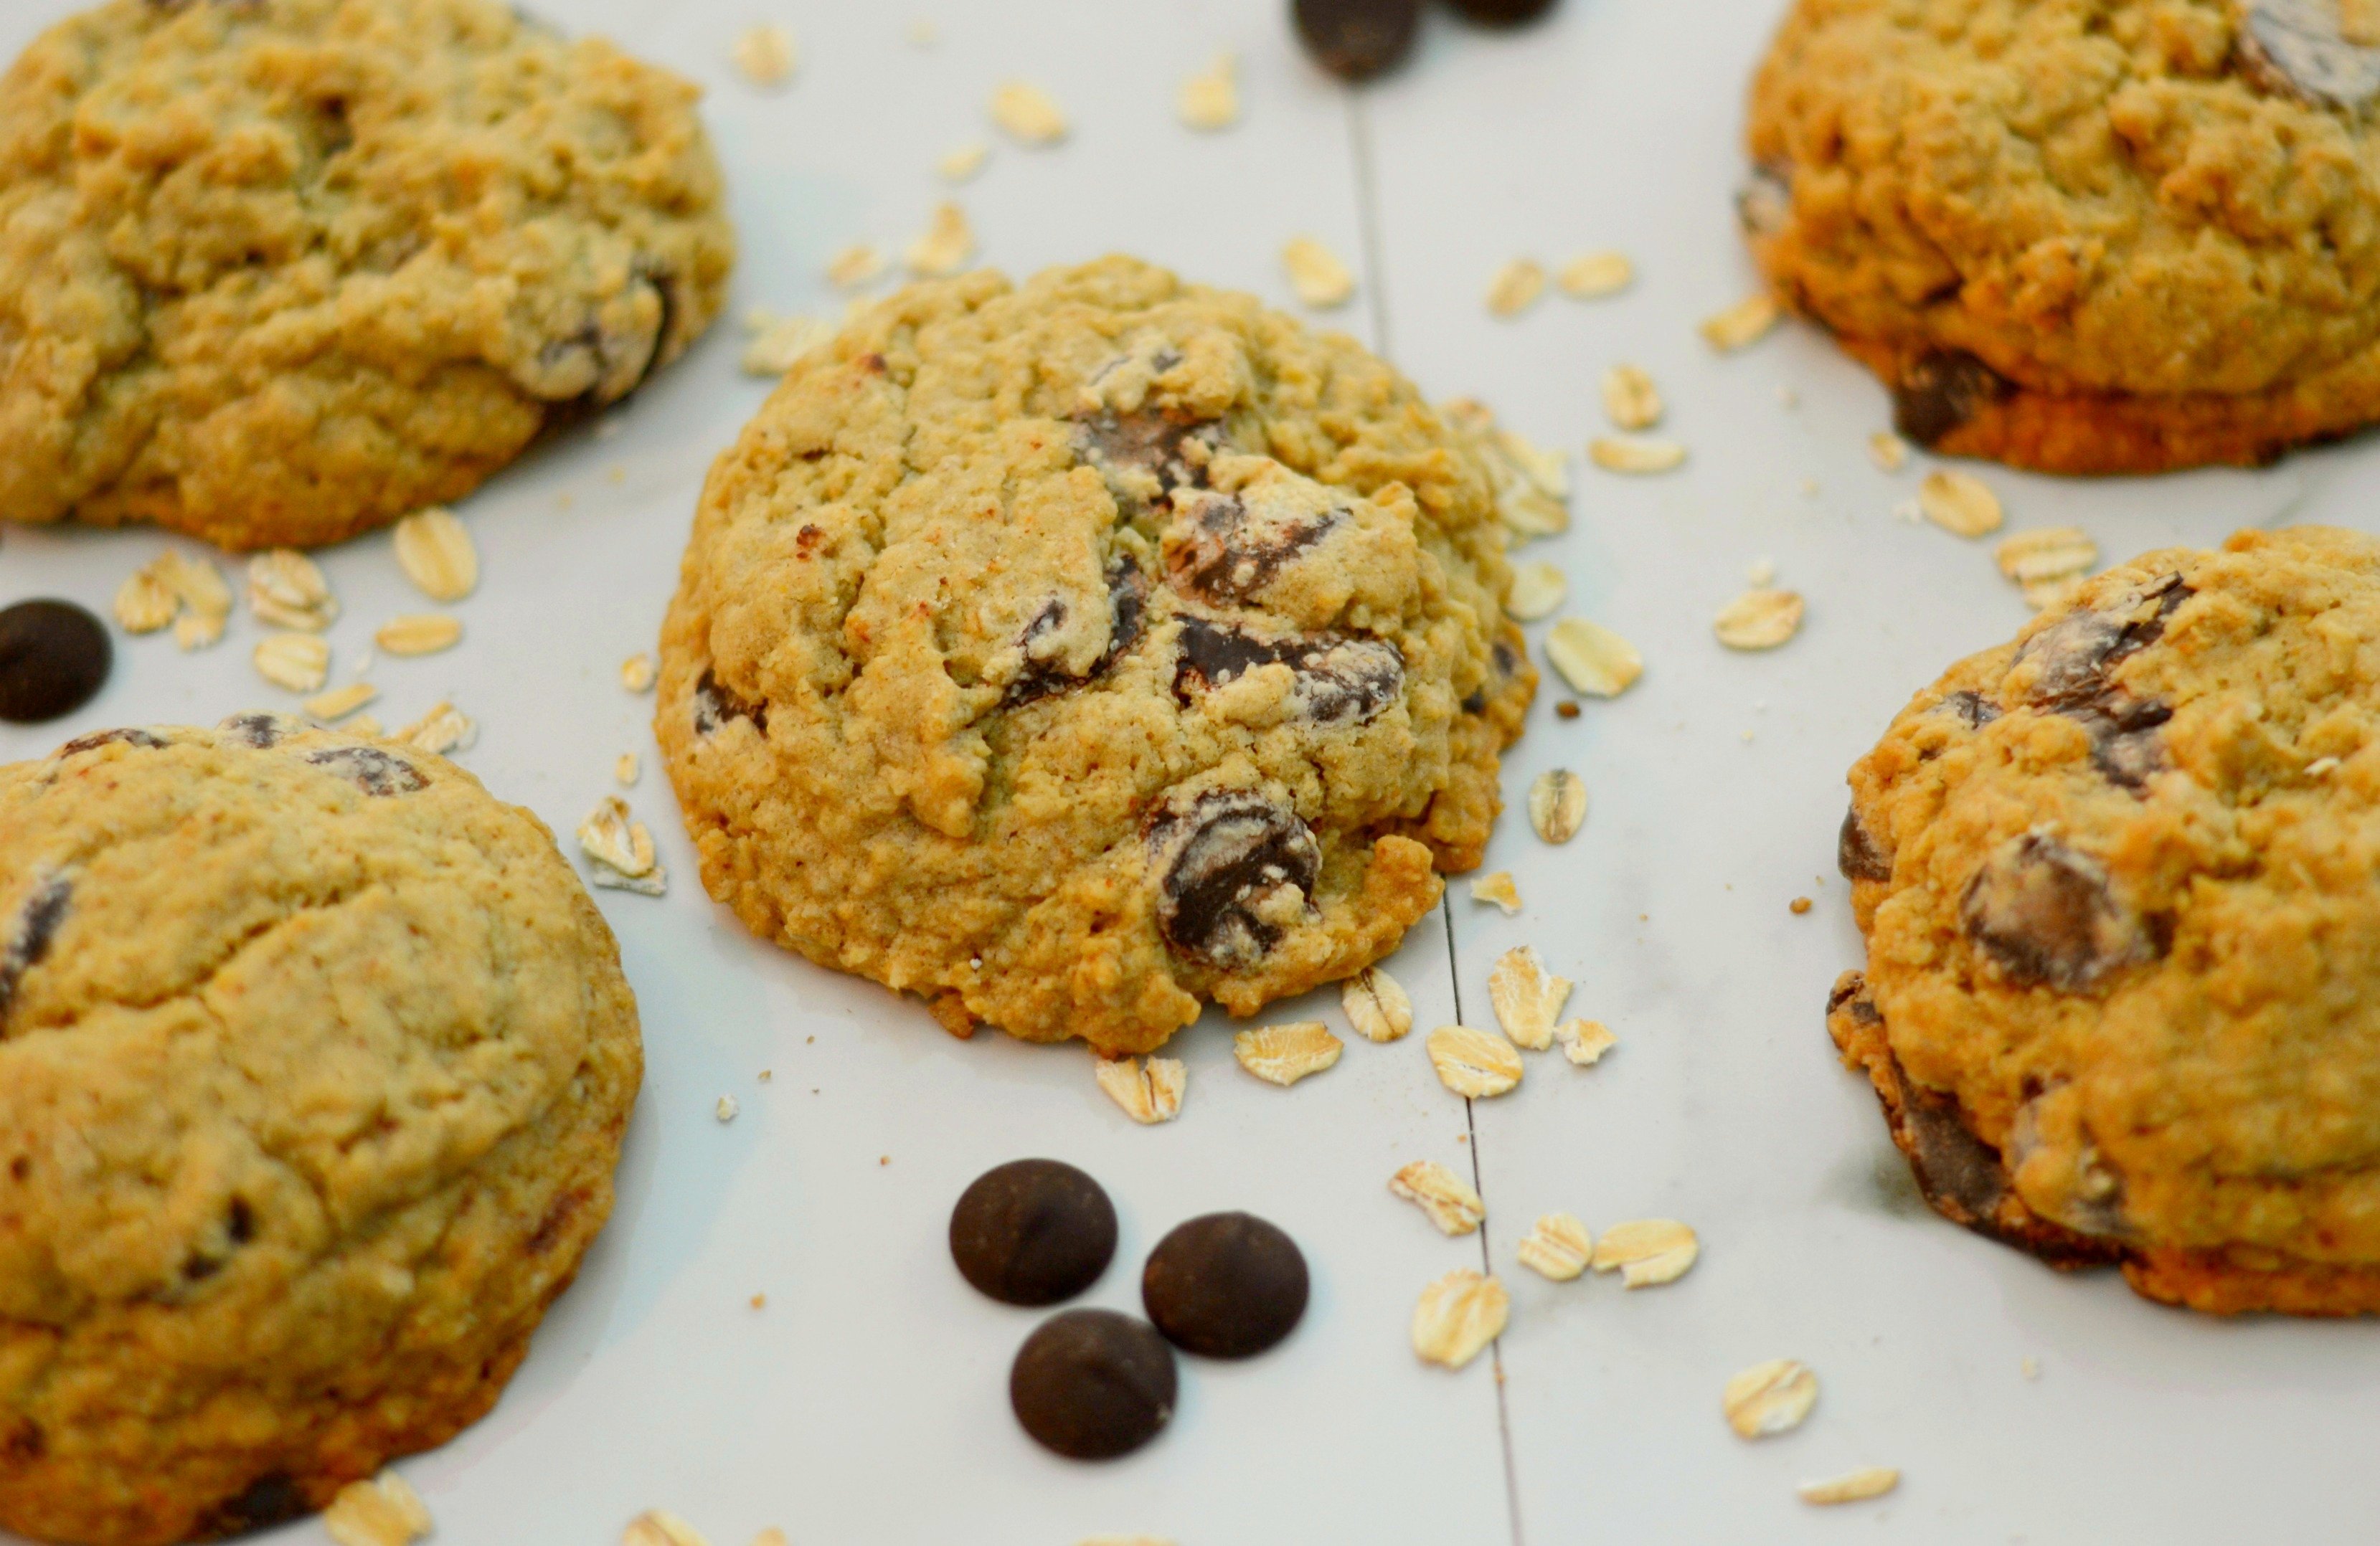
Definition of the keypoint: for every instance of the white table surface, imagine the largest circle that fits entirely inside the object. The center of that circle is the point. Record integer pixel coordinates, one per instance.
(866, 1402)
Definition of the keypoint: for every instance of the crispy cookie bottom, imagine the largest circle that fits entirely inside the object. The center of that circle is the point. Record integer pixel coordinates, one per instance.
(1967, 1181)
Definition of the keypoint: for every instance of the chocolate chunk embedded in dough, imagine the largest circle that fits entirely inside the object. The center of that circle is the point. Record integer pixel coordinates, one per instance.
(1939, 393)
(377, 773)
(1230, 868)
(2047, 914)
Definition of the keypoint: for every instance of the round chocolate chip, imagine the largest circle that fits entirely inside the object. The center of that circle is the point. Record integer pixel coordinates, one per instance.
(53, 659)
(1033, 1232)
(1356, 40)
(1093, 1385)
(1227, 1285)
(1502, 12)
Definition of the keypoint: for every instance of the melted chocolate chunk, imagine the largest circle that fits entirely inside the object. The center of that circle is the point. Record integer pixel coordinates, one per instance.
(37, 924)
(1142, 454)
(261, 732)
(1227, 1285)
(1127, 614)
(2078, 651)
(1033, 1232)
(1340, 680)
(1223, 864)
(1952, 1165)
(1092, 1385)
(54, 659)
(1856, 854)
(93, 741)
(2125, 746)
(2047, 914)
(1219, 551)
(715, 704)
(269, 1500)
(370, 769)
(1973, 710)
(1938, 392)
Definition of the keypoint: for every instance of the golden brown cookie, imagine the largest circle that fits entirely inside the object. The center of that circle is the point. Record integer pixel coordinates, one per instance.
(1072, 654)
(2123, 934)
(2082, 235)
(275, 271)
(314, 1065)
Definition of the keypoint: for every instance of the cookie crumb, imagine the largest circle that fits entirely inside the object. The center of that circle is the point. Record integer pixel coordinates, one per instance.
(759, 1302)
(1800, 905)
(767, 1074)
(1457, 1316)
(1593, 659)
(1960, 503)
(1027, 114)
(1317, 277)
(1648, 1252)
(1499, 889)
(855, 265)
(1149, 1090)
(1769, 1398)
(1566, 709)
(765, 55)
(961, 165)
(435, 550)
(1210, 100)
(1740, 325)
(1515, 287)
(1284, 1054)
(945, 248)
(1872, 1481)
(637, 673)
(1592, 275)
(1441, 1194)
(384, 1511)
(1557, 1247)
(726, 1109)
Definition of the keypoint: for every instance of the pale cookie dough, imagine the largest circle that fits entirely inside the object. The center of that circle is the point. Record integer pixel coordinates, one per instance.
(274, 271)
(314, 1065)
(2123, 991)
(1072, 652)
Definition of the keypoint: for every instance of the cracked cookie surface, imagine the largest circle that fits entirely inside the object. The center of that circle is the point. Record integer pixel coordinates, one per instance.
(1072, 652)
(275, 271)
(2082, 235)
(314, 1065)
(2116, 882)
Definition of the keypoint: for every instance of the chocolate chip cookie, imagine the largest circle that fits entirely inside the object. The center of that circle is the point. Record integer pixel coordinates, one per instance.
(1071, 653)
(2105, 237)
(314, 1064)
(274, 271)
(2116, 881)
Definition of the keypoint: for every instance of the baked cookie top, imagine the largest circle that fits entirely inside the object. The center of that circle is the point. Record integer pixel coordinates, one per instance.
(2117, 882)
(1071, 653)
(273, 271)
(2154, 197)
(314, 1064)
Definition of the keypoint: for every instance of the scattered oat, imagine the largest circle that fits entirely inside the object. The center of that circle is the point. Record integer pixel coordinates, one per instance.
(1960, 503)
(2029, 1367)
(772, 343)
(772, 1535)
(340, 702)
(1210, 100)
(659, 1526)
(1557, 1246)
(610, 838)
(1458, 1315)
(1771, 1397)
(1515, 287)
(1027, 114)
(627, 771)
(434, 549)
(1629, 398)
(961, 165)
(1648, 1252)
(287, 589)
(297, 662)
(1527, 997)
(1888, 451)
(1498, 888)
(1585, 1041)
(443, 730)
(1872, 1481)
(922, 33)
(1763, 571)
(945, 248)
(727, 1108)
(206, 599)
(1637, 456)
(1444, 1196)
(1593, 659)
(418, 634)
(1537, 589)
(1320, 280)
(2047, 562)
(1284, 1054)
(1759, 619)
(1532, 485)
(1149, 1092)
(765, 55)
(1558, 805)
(363, 724)
(1745, 323)
(145, 603)
(637, 673)
(1592, 275)
(1376, 1005)
(384, 1511)
(1473, 1063)
(854, 266)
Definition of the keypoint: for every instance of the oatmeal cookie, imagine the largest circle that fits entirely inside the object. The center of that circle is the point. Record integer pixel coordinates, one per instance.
(1072, 652)
(314, 1065)
(274, 271)
(2122, 939)
(2082, 235)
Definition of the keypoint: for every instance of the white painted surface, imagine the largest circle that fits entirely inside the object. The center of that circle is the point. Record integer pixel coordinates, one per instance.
(866, 1401)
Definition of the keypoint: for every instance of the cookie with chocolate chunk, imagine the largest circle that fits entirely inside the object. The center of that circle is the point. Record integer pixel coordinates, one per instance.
(315, 1061)
(275, 271)
(2123, 236)
(2123, 944)
(1077, 653)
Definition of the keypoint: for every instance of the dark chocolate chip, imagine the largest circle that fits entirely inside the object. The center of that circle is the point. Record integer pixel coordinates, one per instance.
(715, 704)
(2125, 746)
(1507, 659)
(2078, 651)
(1033, 1232)
(370, 769)
(1938, 392)
(1093, 1385)
(25, 1441)
(1477, 701)
(1134, 450)
(1502, 12)
(37, 924)
(1356, 40)
(1221, 551)
(2047, 914)
(1127, 614)
(1973, 710)
(1952, 1165)
(1219, 864)
(268, 1501)
(1339, 680)
(1856, 854)
(96, 739)
(261, 732)
(1763, 202)
(54, 659)
(1227, 1285)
